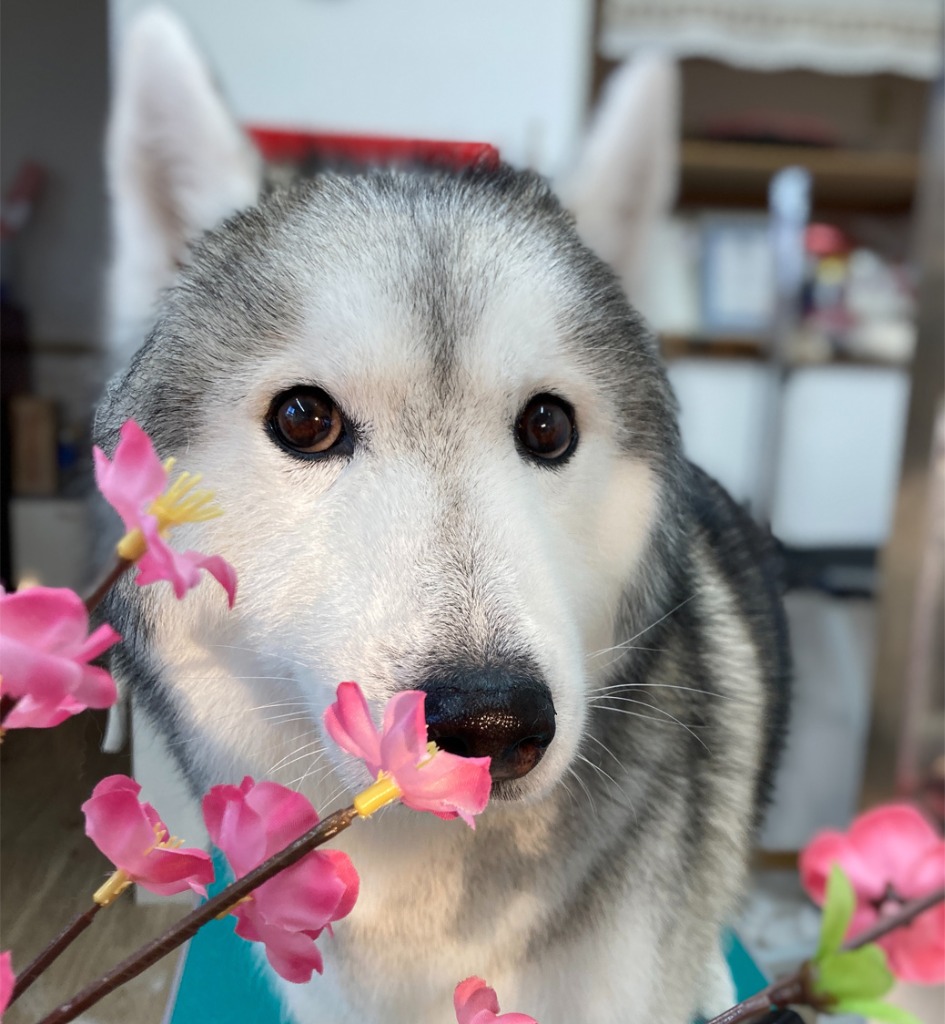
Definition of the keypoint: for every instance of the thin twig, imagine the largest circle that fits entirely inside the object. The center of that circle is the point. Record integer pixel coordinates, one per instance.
(121, 566)
(904, 915)
(795, 988)
(51, 953)
(188, 926)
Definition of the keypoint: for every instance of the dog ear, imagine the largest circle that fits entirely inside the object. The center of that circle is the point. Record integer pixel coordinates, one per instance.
(626, 176)
(177, 165)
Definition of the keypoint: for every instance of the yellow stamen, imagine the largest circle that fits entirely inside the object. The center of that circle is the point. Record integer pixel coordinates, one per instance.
(180, 503)
(112, 889)
(379, 794)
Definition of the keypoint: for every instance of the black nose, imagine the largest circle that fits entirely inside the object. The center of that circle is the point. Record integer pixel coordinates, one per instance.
(506, 715)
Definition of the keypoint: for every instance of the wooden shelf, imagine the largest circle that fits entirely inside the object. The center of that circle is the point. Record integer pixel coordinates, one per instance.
(737, 174)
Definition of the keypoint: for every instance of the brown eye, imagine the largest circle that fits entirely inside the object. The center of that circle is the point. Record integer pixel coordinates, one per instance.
(546, 429)
(306, 420)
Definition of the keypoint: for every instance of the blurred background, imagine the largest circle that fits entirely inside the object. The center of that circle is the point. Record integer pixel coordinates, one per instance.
(765, 176)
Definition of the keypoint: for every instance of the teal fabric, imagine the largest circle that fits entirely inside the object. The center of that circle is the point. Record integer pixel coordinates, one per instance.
(223, 982)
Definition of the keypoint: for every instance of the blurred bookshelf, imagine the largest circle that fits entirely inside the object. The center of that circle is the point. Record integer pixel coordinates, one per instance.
(737, 174)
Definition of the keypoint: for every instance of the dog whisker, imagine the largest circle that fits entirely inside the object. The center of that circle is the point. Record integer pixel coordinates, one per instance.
(606, 749)
(305, 750)
(577, 778)
(652, 707)
(597, 768)
(652, 625)
(664, 686)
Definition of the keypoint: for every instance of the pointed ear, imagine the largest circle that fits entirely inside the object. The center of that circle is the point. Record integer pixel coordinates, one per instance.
(177, 165)
(626, 176)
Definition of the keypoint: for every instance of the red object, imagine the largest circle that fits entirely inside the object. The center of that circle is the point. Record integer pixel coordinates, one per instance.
(826, 240)
(280, 145)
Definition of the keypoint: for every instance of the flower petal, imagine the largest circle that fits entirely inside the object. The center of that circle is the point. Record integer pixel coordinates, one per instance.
(293, 955)
(828, 848)
(235, 828)
(476, 1003)
(180, 568)
(133, 478)
(890, 839)
(471, 997)
(7, 980)
(285, 814)
(307, 896)
(448, 785)
(171, 871)
(348, 722)
(404, 736)
(916, 953)
(29, 713)
(116, 823)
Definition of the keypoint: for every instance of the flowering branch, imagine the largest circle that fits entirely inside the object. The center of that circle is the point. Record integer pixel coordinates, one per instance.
(796, 988)
(188, 926)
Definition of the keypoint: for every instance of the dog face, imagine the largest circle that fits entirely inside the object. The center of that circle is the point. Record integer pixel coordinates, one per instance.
(447, 455)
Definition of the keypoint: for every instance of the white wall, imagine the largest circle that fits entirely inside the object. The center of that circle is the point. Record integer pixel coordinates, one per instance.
(515, 73)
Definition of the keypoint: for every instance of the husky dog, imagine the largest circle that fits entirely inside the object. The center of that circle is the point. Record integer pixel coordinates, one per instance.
(450, 462)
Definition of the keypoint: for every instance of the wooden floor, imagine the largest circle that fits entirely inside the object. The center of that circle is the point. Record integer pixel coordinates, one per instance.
(49, 869)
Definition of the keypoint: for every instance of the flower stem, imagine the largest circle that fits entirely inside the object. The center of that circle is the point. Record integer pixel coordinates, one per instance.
(795, 988)
(51, 953)
(906, 913)
(121, 566)
(188, 926)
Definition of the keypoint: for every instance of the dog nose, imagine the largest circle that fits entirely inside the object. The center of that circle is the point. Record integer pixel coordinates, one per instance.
(507, 716)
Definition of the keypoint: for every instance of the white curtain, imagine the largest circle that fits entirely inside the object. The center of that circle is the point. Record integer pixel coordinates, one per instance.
(833, 36)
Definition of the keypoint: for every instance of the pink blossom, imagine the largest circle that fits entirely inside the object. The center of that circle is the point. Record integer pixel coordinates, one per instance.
(252, 822)
(45, 650)
(133, 482)
(7, 980)
(476, 1003)
(133, 837)
(428, 779)
(891, 855)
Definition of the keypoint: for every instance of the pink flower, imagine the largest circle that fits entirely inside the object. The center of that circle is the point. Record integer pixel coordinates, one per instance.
(252, 822)
(133, 837)
(891, 855)
(476, 1003)
(45, 650)
(133, 483)
(7, 980)
(428, 779)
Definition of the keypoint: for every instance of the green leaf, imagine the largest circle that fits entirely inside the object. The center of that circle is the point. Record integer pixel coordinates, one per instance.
(839, 904)
(874, 1009)
(856, 974)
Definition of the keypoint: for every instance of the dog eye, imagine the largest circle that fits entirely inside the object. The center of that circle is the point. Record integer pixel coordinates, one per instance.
(306, 420)
(545, 429)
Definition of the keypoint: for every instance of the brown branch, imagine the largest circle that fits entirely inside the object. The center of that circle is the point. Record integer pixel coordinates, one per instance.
(904, 915)
(51, 953)
(792, 990)
(795, 988)
(121, 566)
(188, 926)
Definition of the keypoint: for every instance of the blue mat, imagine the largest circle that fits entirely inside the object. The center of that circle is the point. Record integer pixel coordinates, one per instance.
(223, 982)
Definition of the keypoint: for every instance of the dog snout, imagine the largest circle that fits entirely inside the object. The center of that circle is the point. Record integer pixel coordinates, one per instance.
(506, 716)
